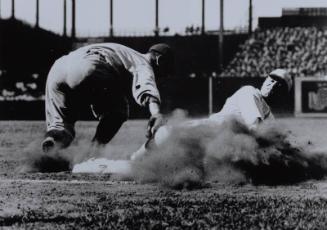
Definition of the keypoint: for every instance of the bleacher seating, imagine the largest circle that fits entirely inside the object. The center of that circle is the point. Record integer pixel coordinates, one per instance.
(301, 50)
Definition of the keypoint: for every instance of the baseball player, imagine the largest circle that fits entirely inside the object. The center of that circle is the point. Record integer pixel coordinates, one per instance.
(100, 76)
(250, 104)
(247, 104)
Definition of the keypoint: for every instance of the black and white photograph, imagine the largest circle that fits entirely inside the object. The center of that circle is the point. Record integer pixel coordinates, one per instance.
(163, 114)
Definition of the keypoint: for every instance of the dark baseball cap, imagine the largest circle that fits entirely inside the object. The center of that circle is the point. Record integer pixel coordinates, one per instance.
(162, 49)
(167, 61)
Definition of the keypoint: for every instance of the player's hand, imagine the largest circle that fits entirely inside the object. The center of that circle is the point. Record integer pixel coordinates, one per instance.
(154, 124)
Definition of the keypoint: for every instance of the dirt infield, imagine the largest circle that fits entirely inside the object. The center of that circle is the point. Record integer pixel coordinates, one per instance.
(64, 200)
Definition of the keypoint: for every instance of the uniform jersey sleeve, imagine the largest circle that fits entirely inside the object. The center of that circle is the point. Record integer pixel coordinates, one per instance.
(249, 105)
(144, 86)
(270, 117)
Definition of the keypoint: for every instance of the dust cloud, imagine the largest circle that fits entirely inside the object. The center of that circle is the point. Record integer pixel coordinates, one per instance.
(192, 155)
(33, 159)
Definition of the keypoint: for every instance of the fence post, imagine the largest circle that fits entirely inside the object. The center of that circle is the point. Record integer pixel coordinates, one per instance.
(210, 94)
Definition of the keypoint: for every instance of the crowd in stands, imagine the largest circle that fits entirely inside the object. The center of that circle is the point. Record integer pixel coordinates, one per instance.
(301, 50)
(27, 90)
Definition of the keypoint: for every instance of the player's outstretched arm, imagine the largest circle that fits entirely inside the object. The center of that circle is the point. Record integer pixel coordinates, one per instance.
(156, 120)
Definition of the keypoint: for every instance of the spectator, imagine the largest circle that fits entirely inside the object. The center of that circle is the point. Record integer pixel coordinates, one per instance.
(302, 50)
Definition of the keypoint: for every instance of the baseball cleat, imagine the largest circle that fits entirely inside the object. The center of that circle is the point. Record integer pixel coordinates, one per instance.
(48, 144)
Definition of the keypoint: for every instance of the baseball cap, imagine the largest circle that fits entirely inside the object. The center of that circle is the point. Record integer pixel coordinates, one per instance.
(162, 49)
(282, 74)
(167, 63)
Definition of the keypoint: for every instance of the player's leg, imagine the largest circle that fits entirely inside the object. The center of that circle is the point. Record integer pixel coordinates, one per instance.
(109, 125)
(60, 124)
(60, 114)
(112, 111)
(56, 139)
(218, 118)
(69, 87)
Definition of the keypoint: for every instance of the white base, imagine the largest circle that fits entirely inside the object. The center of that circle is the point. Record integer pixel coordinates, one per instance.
(103, 165)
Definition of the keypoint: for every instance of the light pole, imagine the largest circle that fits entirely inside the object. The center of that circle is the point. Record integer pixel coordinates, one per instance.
(156, 30)
(221, 36)
(111, 29)
(37, 14)
(65, 18)
(12, 8)
(250, 16)
(73, 35)
(203, 17)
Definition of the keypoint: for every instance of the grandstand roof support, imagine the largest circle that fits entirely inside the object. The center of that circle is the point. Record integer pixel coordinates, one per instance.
(203, 17)
(12, 8)
(111, 29)
(156, 30)
(221, 37)
(37, 16)
(65, 18)
(73, 35)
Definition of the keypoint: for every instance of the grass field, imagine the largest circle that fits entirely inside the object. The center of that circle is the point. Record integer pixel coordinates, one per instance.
(84, 201)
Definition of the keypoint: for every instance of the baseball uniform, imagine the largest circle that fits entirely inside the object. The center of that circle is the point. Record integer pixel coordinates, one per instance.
(98, 75)
(247, 104)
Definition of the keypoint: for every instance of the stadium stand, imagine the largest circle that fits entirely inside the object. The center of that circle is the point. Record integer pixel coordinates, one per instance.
(296, 41)
(302, 50)
(27, 54)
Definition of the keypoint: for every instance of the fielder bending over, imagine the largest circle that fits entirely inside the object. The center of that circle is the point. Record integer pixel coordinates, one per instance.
(248, 104)
(99, 76)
